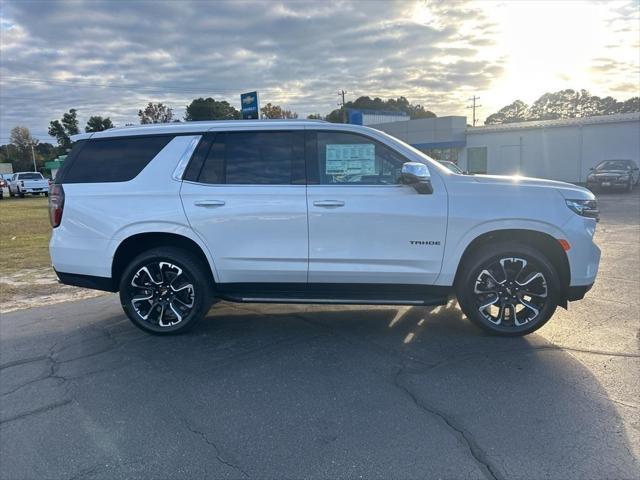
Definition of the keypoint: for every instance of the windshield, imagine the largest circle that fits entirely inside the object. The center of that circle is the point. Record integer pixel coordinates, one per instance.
(614, 165)
(424, 158)
(30, 176)
(452, 166)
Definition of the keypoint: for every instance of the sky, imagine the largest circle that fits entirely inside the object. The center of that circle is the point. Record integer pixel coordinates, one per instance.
(111, 58)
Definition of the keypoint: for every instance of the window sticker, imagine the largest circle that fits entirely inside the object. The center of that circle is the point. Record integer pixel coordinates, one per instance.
(351, 159)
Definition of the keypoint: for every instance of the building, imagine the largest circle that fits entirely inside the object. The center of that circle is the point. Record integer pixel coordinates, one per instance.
(6, 168)
(442, 138)
(555, 149)
(373, 117)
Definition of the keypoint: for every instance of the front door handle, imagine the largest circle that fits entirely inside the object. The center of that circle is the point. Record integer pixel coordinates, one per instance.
(209, 203)
(329, 203)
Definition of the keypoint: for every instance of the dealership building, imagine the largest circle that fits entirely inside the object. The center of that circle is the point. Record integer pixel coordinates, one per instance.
(555, 149)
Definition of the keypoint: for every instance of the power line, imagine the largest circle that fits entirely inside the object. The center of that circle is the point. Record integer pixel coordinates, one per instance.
(474, 106)
(342, 93)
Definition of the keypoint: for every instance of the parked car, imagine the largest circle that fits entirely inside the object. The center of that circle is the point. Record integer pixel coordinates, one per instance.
(452, 166)
(4, 189)
(614, 174)
(176, 217)
(32, 183)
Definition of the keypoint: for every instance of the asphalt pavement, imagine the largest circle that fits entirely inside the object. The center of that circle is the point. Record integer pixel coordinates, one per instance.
(281, 391)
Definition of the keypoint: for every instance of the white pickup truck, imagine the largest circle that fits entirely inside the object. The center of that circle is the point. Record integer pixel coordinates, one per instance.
(33, 183)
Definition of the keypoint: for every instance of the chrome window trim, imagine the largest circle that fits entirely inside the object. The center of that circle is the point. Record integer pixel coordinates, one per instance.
(178, 172)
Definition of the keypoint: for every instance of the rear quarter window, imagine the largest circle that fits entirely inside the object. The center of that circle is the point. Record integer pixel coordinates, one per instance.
(110, 159)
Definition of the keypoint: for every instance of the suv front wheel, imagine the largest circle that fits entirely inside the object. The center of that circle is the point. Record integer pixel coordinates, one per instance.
(508, 289)
(165, 291)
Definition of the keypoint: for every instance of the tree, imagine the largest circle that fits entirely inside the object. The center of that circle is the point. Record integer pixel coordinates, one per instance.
(400, 104)
(630, 105)
(63, 129)
(514, 112)
(47, 151)
(276, 111)
(566, 103)
(210, 109)
(155, 113)
(314, 116)
(418, 111)
(22, 142)
(97, 124)
(70, 122)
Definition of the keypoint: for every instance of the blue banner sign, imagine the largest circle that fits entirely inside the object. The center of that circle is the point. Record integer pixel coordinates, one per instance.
(249, 106)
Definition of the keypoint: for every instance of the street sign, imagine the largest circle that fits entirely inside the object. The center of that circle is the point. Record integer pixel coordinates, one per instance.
(249, 106)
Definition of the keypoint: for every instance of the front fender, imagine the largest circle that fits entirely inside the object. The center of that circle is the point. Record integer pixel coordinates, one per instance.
(458, 239)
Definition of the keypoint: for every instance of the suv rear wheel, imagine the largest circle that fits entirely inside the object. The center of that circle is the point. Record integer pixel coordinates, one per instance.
(165, 291)
(508, 289)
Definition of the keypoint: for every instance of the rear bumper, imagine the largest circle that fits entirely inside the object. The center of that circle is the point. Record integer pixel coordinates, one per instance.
(86, 281)
(34, 189)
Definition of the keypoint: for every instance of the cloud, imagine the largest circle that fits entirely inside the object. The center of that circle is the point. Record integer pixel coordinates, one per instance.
(110, 58)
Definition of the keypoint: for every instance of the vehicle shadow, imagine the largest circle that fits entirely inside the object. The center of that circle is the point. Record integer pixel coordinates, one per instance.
(317, 392)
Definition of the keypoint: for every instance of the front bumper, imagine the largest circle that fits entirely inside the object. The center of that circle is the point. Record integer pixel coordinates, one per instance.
(607, 183)
(584, 254)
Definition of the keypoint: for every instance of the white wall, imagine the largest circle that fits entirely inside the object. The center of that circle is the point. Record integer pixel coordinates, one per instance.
(558, 153)
(427, 130)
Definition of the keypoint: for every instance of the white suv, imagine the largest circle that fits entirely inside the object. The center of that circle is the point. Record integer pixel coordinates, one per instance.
(177, 216)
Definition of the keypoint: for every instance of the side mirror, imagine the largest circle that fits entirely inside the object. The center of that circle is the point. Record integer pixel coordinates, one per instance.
(417, 175)
(592, 169)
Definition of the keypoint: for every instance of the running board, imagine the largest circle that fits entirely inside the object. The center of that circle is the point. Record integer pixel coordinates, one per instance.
(335, 294)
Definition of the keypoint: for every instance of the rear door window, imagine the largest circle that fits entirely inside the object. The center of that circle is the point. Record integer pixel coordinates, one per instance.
(111, 159)
(255, 158)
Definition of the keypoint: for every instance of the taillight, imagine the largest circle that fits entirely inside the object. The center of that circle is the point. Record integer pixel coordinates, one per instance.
(56, 204)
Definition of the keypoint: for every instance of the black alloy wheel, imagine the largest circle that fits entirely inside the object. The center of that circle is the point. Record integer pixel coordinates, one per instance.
(165, 291)
(511, 293)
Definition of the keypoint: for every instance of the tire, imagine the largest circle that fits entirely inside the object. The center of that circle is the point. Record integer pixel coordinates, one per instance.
(11, 194)
(185, 291)
(629, 187)
(20, 194)
(46, 194)
(482, 283)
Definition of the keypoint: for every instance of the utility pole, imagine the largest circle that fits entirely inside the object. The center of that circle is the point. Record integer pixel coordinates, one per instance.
(474, 106)
(33, 157)
(344, 111)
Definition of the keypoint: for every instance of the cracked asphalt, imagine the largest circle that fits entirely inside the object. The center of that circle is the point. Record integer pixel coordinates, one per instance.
(280, 391)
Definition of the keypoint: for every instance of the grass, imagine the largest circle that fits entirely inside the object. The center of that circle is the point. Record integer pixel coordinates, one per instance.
(24, 234)
(26, 276)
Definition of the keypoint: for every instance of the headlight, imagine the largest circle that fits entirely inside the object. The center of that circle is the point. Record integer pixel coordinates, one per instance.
(584, 208)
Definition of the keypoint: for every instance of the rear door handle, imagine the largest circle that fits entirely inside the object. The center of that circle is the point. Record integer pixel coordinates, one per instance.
(209, 203)
(329, 203)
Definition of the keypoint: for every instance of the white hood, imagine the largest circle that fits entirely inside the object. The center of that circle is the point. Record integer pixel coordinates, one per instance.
(567, 190)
